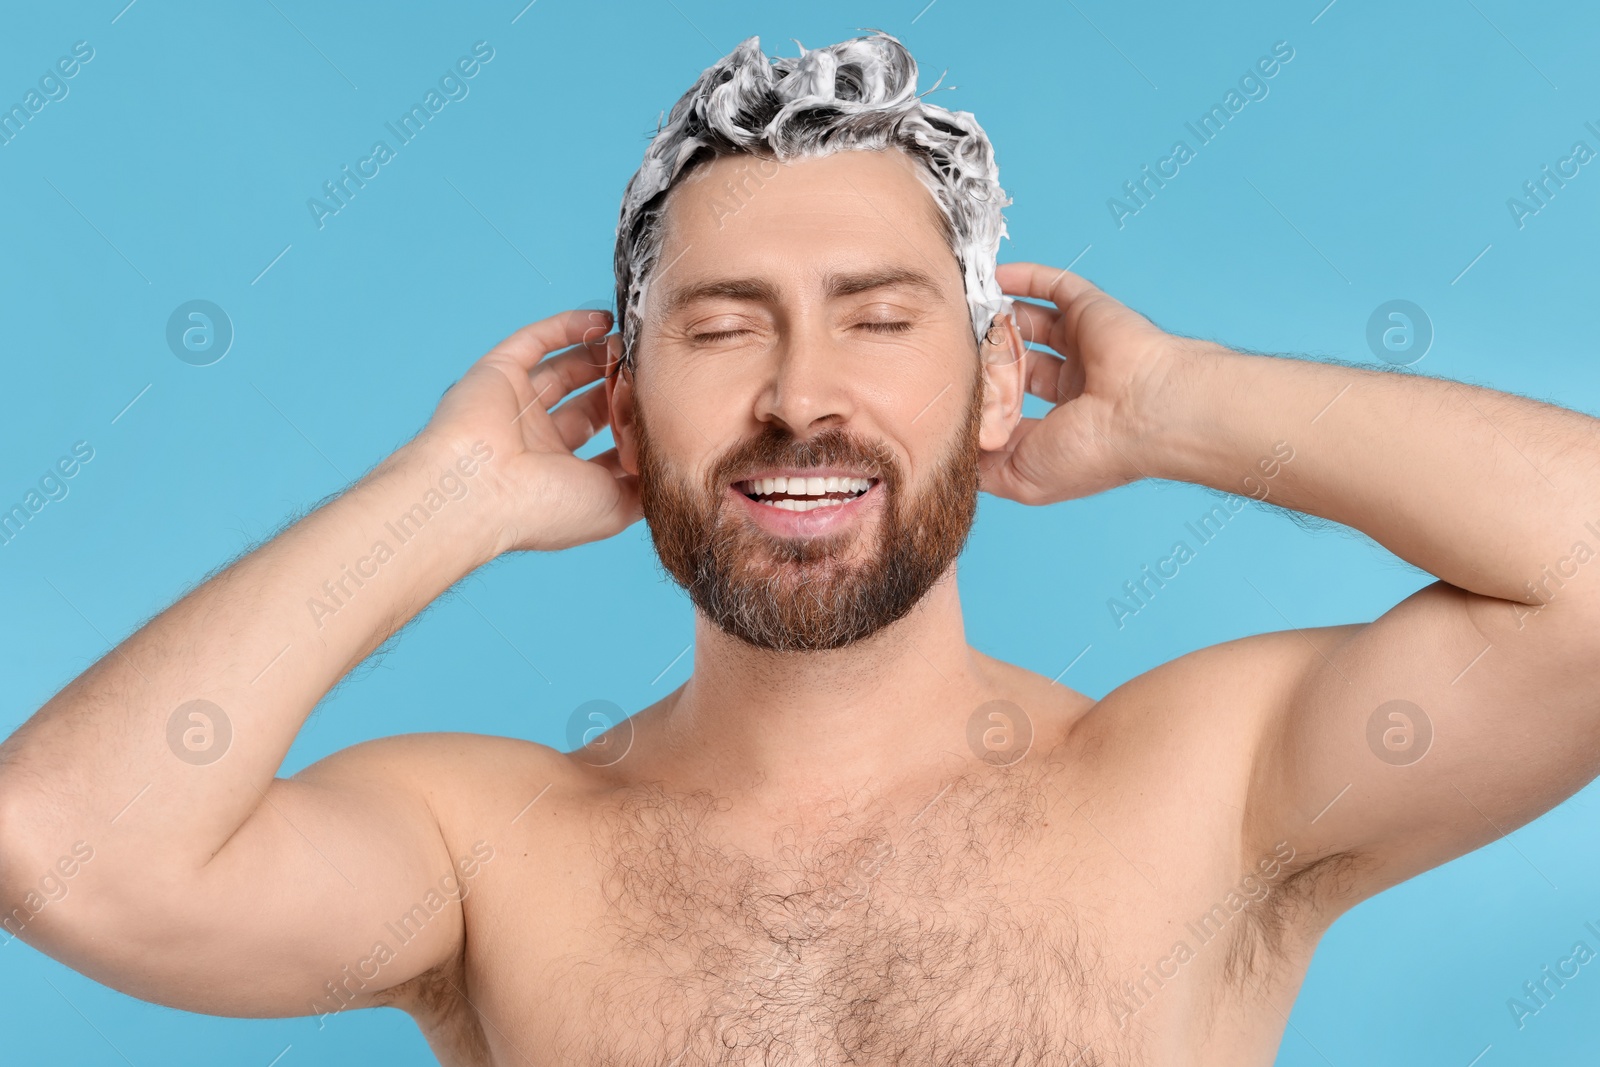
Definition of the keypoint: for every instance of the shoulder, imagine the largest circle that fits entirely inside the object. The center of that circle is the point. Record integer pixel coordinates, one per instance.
(1239, 686)
(421, 758)
(1205, 724)
(1233, 693)
(473, 791)
(466, 780)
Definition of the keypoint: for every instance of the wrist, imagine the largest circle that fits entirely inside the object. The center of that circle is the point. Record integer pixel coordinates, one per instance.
(440, 491)
(1166, 431)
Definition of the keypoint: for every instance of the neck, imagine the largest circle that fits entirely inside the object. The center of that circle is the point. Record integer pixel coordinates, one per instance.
(801, 727)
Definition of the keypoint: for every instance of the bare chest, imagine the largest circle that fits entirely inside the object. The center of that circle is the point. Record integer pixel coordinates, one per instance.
(887, 939)
(988, 928)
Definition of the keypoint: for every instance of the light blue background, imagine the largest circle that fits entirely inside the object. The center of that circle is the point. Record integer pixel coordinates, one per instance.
(1380, 162)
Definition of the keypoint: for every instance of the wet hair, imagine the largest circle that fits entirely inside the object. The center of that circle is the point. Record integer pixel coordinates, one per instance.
(859, 94)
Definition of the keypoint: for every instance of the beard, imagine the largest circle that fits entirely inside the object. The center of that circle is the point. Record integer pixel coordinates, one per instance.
(820, 592)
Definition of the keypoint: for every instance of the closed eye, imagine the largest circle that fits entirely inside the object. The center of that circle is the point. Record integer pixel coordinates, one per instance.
(721, 335)
(876, 327)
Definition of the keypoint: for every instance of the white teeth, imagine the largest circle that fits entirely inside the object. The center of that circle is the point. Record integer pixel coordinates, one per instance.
(789, 503)
(807, 486)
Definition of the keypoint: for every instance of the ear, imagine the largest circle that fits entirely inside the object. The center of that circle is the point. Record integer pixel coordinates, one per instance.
(1003, 362)
(619, 400)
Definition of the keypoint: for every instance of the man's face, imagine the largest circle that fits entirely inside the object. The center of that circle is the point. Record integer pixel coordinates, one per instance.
(810, 324)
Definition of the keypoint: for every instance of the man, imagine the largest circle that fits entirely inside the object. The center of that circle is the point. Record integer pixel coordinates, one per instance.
(849, 837)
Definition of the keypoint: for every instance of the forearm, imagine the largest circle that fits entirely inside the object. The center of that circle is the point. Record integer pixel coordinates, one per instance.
(261, 642)
(1486, 490)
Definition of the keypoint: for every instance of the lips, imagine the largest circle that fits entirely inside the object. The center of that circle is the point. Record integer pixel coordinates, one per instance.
(796, 511)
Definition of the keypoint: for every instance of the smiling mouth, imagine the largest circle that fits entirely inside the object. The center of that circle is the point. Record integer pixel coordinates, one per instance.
(804, 494)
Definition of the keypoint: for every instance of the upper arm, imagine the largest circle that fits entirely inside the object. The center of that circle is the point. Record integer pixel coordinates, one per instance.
(302, 910)
(1440, 727)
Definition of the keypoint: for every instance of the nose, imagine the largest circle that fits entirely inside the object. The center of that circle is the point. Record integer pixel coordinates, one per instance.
(806, 386)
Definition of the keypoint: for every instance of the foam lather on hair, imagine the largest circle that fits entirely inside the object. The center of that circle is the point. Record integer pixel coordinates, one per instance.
(859, 94)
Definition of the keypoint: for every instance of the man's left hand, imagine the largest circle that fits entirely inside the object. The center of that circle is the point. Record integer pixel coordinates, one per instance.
(1108, 361)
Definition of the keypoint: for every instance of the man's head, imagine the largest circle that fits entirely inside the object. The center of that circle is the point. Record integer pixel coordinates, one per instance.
(805, 269)
(859, 94)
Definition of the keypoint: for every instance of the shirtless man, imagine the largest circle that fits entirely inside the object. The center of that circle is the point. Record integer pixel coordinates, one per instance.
(849, 837)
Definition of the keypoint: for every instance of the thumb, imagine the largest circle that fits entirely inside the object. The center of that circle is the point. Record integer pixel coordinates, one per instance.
(998, 473)
(998, 476)
(626, 506)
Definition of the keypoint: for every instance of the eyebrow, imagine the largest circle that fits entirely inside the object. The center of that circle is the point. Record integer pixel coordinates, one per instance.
(835, 284)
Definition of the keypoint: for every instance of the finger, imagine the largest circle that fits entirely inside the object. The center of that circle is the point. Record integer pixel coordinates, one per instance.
(533, 342)
(568, 371)
(1064, 344)
(1035, 322)
(997, 472)
(1043, 376)
(994, 476)
(581, 417)
(611, 462)
(1022, 429)
(1035, 280)
(628, 508)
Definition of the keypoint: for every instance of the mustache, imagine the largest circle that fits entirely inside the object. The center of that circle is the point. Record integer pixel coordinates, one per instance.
(832, 447)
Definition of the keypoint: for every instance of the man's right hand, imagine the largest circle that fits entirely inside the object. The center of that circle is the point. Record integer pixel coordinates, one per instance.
(549, 498)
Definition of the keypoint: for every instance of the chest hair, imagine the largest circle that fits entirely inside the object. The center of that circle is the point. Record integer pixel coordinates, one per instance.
(925, 938)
